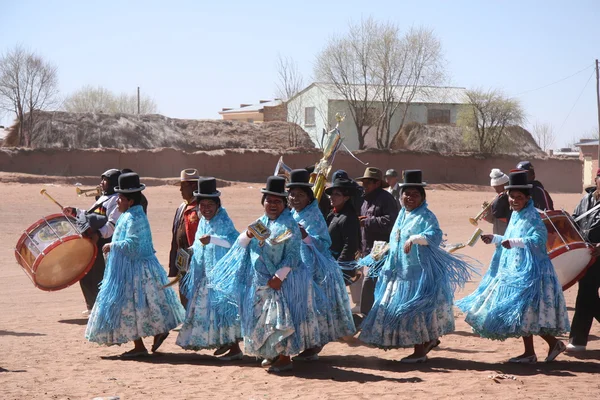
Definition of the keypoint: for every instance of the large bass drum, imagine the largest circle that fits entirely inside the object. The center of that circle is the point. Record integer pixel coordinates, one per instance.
(568, 251)
(54, 254)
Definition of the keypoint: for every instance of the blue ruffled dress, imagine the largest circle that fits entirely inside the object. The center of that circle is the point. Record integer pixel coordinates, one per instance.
(273, 322)
(207, 326)
(415, 291)
(132, 302)
(334, 311)
(520, 294)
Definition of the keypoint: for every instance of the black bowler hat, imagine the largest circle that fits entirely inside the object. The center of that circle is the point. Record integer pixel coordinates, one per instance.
(413, 177)
(207, 187)
(129, 183)
(275, 186)
(518, 180)
(345, 185)
(299, 178)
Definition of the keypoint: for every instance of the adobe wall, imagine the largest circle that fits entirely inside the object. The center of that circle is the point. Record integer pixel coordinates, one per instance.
(557, 175)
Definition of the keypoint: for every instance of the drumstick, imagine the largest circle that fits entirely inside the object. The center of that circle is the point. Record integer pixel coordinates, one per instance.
(44, 192)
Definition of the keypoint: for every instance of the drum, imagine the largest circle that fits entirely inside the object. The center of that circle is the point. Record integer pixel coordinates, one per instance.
(54, 254)
(568, 251)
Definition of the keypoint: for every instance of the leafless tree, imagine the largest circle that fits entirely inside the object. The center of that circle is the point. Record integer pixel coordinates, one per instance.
(289, 84)
(28, 84)
(99, 99)
(378, 71)
(347, 63)
(543, 135)
(487, 116)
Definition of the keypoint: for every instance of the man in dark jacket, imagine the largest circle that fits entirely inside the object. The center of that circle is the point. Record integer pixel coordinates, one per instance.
(587, 305)
(377, 217)
(541, 198)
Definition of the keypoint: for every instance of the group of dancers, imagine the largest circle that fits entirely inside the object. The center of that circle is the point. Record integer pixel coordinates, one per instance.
(276, 288)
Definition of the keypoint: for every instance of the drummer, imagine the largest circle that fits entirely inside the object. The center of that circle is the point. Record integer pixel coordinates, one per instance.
(105, 205)
(587, 305)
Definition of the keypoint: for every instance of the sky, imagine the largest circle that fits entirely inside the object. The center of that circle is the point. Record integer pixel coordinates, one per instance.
(196, 57)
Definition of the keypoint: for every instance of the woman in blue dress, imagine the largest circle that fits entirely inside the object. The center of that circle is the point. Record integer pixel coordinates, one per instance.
(133, 303)
(264, 275)
(416, 283)
(204, 326)
(334, 311)
(520, 295)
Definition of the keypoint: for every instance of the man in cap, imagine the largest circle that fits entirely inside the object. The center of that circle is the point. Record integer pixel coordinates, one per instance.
(541, 198)
(185, 222)
(587, 305)
(377, 217)
(391, 178)
(101, 220)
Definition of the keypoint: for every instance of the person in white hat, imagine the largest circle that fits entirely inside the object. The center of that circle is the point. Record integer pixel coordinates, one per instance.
(499, 211)
(185, 222)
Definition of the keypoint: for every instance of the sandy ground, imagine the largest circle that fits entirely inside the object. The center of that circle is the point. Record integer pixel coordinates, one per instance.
(44, 353)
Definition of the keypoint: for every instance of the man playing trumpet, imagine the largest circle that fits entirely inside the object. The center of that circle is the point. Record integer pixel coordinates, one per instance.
(105, 205)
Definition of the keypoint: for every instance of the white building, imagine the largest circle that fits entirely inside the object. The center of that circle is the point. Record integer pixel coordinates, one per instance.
(315, 107)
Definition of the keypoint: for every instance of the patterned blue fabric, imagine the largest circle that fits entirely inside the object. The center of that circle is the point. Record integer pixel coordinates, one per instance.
(334, 311)
(207, 326)
(133, 302)
(520, 294)
(415, 291)
(274, 322)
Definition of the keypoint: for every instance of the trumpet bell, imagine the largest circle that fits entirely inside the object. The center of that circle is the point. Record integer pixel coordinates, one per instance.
(473, 221)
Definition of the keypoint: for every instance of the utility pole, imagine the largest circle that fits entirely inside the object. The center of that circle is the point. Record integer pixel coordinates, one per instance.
(598, 104)
(138, 94)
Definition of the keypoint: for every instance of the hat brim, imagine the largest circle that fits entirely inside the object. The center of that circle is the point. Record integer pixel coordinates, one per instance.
(179, 182)
(131, 190)
(422, 184)
(518, 187)
(265, 191)
(293, 185)
(352, 189)
(215, 194)
(384, 184)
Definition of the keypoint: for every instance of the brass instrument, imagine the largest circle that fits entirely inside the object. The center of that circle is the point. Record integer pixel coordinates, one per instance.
(44, 192)
(485, 207)
(323, 167)
(93, 192)
(471, 242)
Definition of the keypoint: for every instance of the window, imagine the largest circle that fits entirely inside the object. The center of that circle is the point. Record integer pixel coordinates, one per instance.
(309, 116)
(436, 116)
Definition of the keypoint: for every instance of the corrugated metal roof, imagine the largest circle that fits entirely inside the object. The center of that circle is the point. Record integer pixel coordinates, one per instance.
(424, 94)
(253, 107)
(588, 142)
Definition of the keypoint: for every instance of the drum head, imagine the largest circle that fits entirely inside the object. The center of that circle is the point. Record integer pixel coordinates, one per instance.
(65, 264)
(570, 265)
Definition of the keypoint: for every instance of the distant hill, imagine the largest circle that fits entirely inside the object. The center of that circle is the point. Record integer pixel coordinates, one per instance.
(449, 139)
(127, 131)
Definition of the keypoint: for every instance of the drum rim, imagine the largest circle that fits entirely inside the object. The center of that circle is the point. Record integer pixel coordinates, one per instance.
(24, 236)
(574, 246)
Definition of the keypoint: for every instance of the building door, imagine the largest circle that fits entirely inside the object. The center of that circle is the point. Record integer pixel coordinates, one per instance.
(588, 170)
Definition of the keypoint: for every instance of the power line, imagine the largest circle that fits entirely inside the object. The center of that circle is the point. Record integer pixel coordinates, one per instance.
(554, 83)
(575, 103)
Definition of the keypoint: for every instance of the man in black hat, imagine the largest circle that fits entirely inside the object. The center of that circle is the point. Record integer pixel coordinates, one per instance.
(377, 217)
(101, 220)
(541, 198)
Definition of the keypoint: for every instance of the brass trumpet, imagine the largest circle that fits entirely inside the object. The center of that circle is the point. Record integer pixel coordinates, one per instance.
(485, 207)
(97, 191)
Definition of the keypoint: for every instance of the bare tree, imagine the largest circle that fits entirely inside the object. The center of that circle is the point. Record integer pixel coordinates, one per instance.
(543, 135)
(99, 99)
(28, 84)
(378, 71)
(347, 63)
(289, 84)
(487, 116)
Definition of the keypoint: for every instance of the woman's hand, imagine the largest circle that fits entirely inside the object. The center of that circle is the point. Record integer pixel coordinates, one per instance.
(274, 283)
(487, 239)
(303, 231)
(106, 248)
(205, 239)
(407, 246)
(506, 244)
